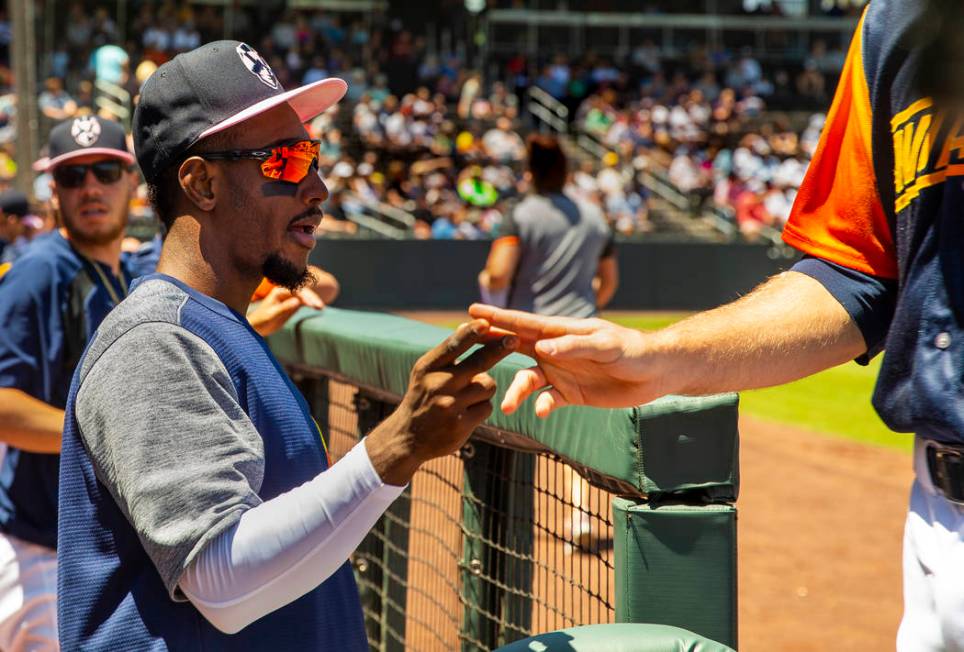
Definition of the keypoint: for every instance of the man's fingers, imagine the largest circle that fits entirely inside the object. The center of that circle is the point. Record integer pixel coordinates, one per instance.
(523, 385)
(576, 347)
(549, 401)
(527, 325)
(487, 356)
(310, 298)
(277, 294)
(455, 345)
(284, 309)
(477, 413)
(481, 388)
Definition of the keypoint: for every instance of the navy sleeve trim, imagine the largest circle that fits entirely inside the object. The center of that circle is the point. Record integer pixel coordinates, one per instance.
(869, 300)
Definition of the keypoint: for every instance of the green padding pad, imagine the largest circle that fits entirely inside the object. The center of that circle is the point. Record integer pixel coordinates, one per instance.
(676, 565)
(672, 445)
(617, 638)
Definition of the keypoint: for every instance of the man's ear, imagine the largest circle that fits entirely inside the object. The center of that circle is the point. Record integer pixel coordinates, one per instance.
(196, 177)
(54, 200)
(134, 180)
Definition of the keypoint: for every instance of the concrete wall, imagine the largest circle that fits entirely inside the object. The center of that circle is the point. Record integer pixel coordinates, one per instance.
(441, 274)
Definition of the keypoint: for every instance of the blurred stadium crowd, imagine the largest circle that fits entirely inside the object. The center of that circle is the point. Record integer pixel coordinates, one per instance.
(426, 138)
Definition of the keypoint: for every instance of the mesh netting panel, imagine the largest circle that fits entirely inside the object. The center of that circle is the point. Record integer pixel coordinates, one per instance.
(485, 547)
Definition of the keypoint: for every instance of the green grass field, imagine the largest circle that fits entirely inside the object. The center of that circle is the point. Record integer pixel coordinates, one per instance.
(835, 402)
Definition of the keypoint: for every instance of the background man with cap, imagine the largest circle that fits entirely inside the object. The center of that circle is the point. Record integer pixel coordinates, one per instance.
(51, 301)
(197, 506)
(17, 225)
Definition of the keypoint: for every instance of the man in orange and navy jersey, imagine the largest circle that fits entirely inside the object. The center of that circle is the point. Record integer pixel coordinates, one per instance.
(880, 219)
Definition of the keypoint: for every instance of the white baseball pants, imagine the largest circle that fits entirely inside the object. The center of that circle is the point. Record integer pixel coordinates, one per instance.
(933, 568)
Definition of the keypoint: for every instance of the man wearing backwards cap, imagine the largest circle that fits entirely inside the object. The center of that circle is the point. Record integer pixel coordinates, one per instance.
(197, 506)
(51, 301)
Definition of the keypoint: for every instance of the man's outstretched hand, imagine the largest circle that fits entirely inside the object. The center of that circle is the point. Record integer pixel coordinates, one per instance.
(446, 400)
(580, 361)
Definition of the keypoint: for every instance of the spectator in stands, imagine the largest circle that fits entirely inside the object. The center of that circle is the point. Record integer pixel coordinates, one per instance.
(16, 226)
(54, 102)
(79, 29)
(186, 37)
(648, 57)
(110, 63)
(751, 213)
(503, 144)
(8, 117)
(811, 83)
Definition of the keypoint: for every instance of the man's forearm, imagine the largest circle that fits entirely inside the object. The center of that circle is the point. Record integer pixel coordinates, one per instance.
(788, 328)
(605, 290)
(492, 282)
(29, 424)
(287, 546)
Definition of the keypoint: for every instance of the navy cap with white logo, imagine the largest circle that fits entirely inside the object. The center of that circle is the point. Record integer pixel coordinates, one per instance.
(83, 136)
(207, 90)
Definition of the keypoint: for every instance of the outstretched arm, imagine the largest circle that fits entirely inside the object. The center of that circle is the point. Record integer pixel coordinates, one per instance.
(28, 423)
(787, 328)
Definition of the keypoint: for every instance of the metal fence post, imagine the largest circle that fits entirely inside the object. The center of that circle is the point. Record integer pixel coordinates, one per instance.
(497, 516)
(387, 551)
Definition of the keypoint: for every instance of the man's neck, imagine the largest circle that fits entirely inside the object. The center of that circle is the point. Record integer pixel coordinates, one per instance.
(206, 271)
(108, 253)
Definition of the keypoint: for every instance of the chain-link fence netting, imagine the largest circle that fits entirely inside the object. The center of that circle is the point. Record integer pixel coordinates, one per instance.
(486, 546)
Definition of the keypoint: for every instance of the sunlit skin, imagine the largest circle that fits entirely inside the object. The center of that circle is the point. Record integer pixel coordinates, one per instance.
(94, 215)
(233, 218)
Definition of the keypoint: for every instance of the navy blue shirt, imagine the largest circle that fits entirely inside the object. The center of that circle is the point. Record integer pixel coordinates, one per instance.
(883, 207)
(51, 302)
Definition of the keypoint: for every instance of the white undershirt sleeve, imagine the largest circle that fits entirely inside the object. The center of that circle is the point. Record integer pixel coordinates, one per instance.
(287, 546)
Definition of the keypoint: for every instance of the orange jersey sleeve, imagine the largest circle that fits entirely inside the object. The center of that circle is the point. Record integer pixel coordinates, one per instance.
(838, 215)
(263, 289)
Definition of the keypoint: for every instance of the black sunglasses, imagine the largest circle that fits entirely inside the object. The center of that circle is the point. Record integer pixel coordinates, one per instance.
(72, 176)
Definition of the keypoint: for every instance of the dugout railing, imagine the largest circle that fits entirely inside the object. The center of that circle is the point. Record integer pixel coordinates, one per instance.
(591, 516)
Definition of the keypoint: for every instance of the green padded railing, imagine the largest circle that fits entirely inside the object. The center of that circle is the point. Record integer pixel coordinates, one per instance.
(674, 462)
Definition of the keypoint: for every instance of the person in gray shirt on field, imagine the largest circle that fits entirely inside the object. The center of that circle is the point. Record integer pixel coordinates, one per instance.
(553, 256)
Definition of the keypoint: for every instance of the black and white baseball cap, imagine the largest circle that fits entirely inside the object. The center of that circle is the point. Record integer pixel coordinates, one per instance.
(83, 136)
(209, 89)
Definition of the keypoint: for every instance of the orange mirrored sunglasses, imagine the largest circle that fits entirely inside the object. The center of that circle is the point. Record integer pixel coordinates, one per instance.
(289, 162)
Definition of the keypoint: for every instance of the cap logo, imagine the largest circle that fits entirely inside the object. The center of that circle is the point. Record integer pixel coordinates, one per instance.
(85, 131)
(257, 65)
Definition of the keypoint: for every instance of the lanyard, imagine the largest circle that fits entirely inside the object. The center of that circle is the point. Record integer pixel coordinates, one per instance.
(107, 283)
(324, 444)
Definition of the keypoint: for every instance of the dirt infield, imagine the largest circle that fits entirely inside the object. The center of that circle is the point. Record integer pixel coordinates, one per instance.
(821, 522)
